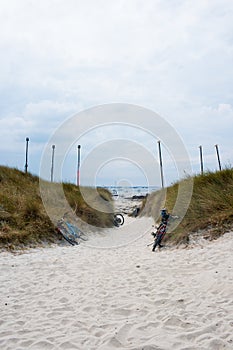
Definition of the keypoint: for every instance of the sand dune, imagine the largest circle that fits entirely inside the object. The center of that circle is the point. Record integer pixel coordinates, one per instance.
(112, 292)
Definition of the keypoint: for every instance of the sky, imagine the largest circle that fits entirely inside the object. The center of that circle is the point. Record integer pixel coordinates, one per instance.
(60, 58)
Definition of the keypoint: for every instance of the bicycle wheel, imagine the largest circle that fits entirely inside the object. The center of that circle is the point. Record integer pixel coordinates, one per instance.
(118, 220)
(70, 238)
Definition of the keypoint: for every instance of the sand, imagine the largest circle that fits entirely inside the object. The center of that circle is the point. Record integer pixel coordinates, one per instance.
(112, 292)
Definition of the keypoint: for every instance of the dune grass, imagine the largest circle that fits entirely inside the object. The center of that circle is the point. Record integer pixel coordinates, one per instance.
(23, 219)
(210, 210)
(25, 223)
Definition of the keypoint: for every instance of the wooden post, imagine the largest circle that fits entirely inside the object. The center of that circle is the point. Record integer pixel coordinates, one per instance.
(26, 162)
(218, 157)
(161, 164)
(201, 160)
(52, 166)
(78, 167)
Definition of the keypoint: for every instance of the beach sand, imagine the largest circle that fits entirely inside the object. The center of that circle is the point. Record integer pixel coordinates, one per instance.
(113, 292)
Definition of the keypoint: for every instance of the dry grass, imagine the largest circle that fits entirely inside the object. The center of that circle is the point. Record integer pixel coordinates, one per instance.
(23, 219)
(85, 207)
(211, 207)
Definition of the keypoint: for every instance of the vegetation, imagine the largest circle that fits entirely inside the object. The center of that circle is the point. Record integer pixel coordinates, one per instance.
(23, 219)
(210, 210)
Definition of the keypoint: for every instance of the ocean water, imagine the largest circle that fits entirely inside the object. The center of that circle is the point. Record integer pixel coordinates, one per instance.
(125, 192)
(127, 199)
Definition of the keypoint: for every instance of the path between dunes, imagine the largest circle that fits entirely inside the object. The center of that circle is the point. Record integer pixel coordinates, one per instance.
(126, 297)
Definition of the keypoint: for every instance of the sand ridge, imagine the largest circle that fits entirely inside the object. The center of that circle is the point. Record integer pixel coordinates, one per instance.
(125, 297)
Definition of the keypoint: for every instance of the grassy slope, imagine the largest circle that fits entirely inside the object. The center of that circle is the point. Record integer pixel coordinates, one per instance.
(211, 206)
(23, 220)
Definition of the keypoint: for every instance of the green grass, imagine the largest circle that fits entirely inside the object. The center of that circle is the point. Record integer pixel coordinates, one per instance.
(211, 207)
(23, 219)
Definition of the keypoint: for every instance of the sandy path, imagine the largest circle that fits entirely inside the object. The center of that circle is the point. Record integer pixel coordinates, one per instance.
(121, 298)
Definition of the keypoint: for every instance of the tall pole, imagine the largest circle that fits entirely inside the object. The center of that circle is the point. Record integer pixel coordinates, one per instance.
(161, 164)
(26, 162)
(78, 167)
(201, 160)
(52, 165)
(218, 157)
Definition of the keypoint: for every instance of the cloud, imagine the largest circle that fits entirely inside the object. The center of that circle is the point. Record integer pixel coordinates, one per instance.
(59, 57)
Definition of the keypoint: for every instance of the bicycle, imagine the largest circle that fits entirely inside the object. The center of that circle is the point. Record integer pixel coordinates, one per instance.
(72, 234)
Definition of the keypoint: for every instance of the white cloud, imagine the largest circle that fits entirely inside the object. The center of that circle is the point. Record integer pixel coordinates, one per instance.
(48, 108)
(59, 57)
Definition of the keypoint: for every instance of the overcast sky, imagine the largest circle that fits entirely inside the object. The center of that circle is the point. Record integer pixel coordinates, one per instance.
(60, 57)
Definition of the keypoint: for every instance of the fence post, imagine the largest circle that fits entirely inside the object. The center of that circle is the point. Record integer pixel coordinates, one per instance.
(78, 167)
(218, 157)
(161, 164)
(52, 165)
(26, 162)
(201, 160)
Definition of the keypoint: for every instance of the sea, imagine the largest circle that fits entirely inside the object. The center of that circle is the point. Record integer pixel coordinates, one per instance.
(128, 198)
(127, 192)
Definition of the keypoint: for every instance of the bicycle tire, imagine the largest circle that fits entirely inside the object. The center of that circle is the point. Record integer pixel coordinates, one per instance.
(118, 220)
